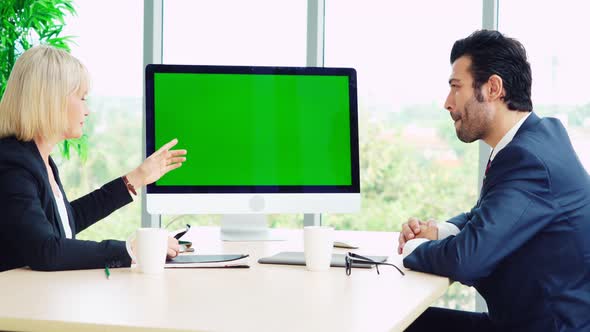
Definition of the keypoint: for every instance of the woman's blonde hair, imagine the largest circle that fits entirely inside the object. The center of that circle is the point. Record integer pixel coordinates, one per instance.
(35, 100)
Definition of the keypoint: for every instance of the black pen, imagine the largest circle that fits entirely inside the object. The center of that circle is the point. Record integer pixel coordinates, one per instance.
(179, 235)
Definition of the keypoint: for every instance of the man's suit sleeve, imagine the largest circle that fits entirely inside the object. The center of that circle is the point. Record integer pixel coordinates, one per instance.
(30, 236)
(511, 212)
(460, 220)
(100, 203)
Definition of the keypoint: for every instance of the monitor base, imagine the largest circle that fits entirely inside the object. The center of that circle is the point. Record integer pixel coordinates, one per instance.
(247, 227)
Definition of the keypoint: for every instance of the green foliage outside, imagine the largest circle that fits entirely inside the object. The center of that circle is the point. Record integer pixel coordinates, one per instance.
(26, 23)
(397, 179)
(114, 128)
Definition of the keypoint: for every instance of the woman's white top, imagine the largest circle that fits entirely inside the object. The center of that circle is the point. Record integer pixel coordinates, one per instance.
(63, 213)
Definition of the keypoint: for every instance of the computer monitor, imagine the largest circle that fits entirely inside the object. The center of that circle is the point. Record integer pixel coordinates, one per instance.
(260, 140)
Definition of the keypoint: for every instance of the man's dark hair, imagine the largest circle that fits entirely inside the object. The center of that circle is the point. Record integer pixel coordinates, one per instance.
(493, 53)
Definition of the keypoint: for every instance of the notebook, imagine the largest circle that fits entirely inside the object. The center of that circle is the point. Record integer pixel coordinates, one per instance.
(298, 258)
(209, 261)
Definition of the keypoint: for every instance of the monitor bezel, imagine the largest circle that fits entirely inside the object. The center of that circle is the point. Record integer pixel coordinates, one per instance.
(152, 69)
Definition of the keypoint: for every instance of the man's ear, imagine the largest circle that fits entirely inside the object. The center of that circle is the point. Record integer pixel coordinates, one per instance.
(495, 87)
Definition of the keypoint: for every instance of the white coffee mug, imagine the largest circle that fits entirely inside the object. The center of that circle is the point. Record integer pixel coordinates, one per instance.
(151, 246)
(317, 243)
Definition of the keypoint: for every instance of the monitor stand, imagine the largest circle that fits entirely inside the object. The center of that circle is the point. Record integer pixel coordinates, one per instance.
(247, 227)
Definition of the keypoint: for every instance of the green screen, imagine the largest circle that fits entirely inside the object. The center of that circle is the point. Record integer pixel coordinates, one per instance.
(254, 129)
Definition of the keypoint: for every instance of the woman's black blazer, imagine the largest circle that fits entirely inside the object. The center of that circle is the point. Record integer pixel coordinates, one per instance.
(31, 232)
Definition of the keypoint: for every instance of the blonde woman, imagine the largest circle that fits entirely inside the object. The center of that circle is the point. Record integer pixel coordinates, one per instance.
(43, 104)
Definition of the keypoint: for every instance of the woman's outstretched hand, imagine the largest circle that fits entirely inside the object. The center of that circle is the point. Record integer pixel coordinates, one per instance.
(155, 166)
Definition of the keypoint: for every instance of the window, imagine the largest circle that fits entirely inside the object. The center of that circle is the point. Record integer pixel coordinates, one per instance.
(233, 32)
(412, 163)
(112, 52)
(559, 57)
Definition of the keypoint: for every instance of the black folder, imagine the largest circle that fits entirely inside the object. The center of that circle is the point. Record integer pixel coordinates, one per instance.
(298, 258)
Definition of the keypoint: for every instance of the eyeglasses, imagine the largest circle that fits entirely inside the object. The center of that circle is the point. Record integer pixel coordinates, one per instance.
(351, 258)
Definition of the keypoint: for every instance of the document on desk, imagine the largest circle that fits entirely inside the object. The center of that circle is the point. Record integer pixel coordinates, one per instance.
(209, 261)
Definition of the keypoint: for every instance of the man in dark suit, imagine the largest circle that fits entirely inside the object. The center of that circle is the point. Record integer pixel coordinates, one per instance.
(525, 244)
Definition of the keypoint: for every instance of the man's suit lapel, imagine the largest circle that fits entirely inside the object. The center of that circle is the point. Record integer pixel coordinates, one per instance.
(528, 124)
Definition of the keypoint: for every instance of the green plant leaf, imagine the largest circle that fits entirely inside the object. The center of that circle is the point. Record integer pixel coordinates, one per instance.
(20, 21)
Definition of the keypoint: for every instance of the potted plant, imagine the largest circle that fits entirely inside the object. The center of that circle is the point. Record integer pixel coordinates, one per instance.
(26, 23)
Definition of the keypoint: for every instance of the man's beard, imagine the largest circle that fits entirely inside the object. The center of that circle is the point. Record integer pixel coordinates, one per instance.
(473, 125)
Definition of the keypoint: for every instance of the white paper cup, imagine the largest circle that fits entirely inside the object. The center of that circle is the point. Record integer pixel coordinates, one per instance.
(151, 247)
(317, 243)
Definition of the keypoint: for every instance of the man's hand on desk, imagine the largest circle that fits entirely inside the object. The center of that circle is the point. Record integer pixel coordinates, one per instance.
(415, 228)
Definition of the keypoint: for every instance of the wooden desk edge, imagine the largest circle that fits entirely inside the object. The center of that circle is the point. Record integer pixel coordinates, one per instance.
(33, 325)
(418, 311)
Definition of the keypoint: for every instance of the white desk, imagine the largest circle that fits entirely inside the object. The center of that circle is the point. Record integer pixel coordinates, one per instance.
(261, 298)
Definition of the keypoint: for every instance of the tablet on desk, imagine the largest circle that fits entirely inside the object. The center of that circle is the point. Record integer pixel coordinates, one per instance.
(298, 258)
(196, 261)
